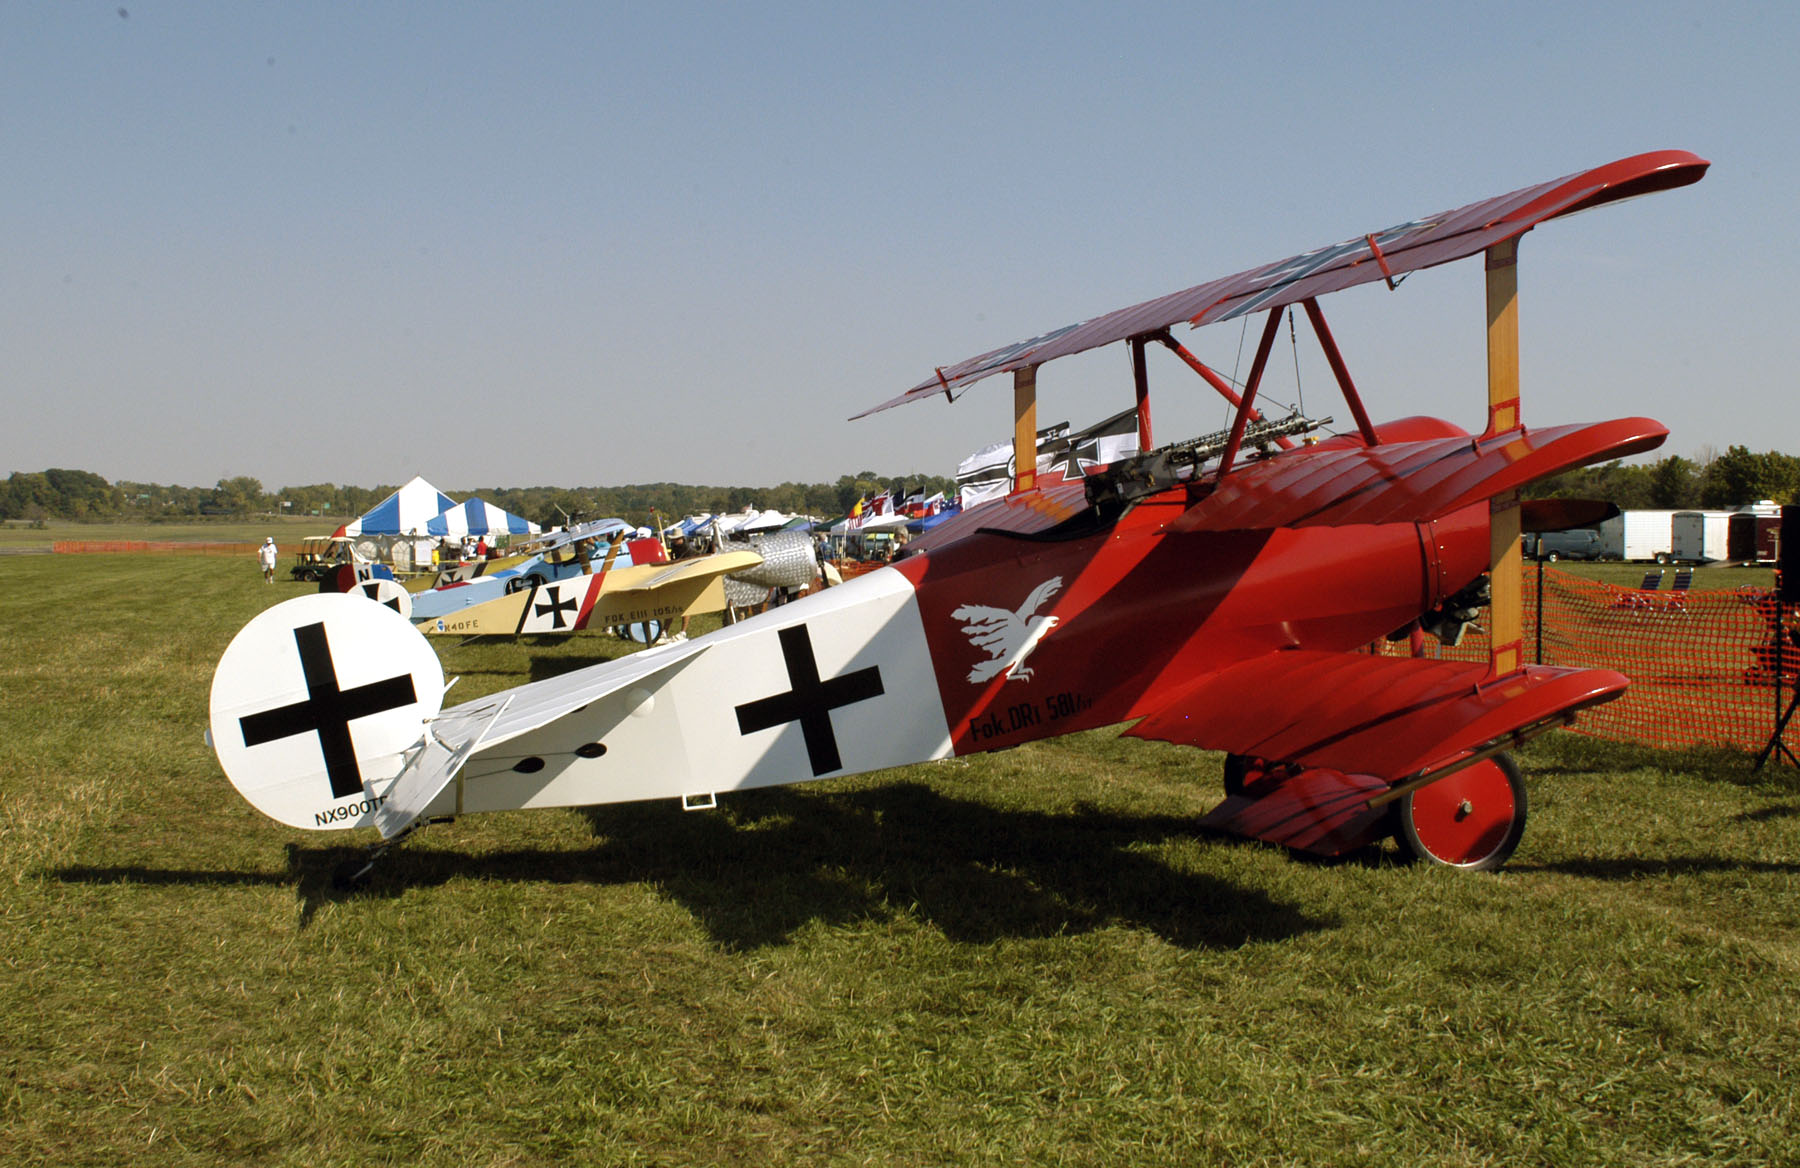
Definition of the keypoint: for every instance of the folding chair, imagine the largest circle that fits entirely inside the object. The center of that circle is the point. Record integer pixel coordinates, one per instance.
(1636, 598)
(1677, 602)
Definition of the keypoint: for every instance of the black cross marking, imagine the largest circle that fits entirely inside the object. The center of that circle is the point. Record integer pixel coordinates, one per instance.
(554, 608)
(373, 591)
(811, 701)
(328, 710)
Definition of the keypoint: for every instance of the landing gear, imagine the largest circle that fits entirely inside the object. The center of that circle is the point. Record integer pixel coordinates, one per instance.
(1472, 819)
(1237, 768)
(353, 875)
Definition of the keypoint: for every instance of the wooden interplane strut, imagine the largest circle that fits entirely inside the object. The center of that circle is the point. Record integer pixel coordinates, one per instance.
(1507, 555)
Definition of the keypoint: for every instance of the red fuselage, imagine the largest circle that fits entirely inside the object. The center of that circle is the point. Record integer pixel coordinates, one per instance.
(1140, 610)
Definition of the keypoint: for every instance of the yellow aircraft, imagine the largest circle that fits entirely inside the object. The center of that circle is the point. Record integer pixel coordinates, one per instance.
(605, 598)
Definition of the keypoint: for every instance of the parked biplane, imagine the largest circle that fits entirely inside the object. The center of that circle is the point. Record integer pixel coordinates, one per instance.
(1219, 592)
(655, 593)
(562, 555)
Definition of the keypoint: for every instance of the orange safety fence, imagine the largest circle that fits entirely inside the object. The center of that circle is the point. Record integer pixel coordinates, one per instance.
(1702, 664)
(158, 547)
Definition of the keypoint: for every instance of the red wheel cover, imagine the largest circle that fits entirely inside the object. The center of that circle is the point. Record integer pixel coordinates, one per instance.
(1473, 818)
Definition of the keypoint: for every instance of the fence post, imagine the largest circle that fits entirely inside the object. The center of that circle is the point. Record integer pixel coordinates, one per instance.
(1540, 610)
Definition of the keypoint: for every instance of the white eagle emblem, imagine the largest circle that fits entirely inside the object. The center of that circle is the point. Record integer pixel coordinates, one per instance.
(1009, 637)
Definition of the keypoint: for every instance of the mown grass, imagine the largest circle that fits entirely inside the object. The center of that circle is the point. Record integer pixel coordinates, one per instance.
(1024, 957)
(18, 535)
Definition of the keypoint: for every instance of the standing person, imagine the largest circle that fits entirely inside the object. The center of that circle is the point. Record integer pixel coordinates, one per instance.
(265, 555)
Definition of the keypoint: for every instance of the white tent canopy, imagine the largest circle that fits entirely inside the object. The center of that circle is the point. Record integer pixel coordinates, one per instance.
(405, 512)
(766, 521)
(478, 517)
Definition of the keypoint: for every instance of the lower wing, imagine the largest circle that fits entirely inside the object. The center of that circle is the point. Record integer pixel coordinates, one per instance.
(1389, 717)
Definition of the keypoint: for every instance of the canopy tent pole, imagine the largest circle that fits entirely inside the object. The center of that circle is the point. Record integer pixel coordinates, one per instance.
(1025, 428)
(1506, 554)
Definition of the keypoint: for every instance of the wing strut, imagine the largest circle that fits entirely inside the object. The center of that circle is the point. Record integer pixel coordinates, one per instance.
(1025, 428)
(1140, 377)
(1213, 379)
(1245, 410)
(1339, 369)
(1506, 558)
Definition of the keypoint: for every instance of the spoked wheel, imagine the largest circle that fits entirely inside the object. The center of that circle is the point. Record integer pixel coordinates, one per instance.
(1472, 819)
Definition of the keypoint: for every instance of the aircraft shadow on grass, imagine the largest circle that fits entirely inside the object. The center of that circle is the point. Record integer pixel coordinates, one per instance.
(187, 877)
(1627, 868)
(771, 861)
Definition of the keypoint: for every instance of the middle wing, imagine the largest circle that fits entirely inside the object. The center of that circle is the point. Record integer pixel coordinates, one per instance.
(1383, 716)
(1406, 481)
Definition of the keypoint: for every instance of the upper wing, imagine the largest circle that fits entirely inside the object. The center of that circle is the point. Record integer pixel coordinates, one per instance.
(1420, 243)
(1383, 716)
(1406, 481)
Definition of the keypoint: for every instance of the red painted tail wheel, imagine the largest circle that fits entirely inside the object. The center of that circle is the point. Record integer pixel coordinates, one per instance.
(1472, 819)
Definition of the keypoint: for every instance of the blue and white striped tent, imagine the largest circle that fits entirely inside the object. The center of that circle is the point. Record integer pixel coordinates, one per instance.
(405, 512)
(478, 517)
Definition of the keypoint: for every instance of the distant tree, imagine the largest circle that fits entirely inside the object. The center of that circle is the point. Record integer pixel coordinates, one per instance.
(851, 488)
(1739, 476)
(82, 494)
(1674, 484)
(28, 495)
(238, 496)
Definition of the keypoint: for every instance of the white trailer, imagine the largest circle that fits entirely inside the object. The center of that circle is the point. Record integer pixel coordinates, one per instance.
(1700, 537)
(1638, 535)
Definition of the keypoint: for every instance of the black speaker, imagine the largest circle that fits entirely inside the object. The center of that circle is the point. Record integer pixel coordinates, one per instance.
(1788, 566)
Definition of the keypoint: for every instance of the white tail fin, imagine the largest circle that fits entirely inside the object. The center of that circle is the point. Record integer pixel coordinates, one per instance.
(315, 705)
(389, 592)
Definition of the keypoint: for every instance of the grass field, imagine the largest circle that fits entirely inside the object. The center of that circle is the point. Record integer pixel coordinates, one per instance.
(1024, 957)
(17, 535)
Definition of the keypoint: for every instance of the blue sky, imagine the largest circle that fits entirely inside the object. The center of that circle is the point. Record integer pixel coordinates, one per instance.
(518, 244)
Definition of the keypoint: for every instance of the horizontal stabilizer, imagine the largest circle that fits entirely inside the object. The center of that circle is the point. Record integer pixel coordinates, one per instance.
(453, 737)
(1382, 716)
(542, 702)
(460, 731)
(1398, 482)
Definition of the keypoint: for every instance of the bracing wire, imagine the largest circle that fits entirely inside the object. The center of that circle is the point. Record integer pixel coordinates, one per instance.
(1294, 344)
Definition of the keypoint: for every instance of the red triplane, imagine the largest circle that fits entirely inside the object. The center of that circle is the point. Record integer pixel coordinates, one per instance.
(1220, 592)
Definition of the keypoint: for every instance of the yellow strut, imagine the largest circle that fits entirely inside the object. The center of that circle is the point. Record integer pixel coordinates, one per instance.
(1506, 557)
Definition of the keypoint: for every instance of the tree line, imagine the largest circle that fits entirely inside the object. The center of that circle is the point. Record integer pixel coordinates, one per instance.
(1737, 477)
(84, 496)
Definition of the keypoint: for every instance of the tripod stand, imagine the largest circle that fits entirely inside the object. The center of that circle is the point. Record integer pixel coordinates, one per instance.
(1784, 645)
